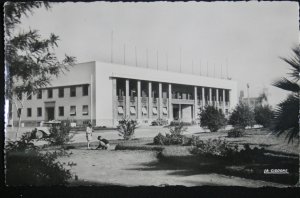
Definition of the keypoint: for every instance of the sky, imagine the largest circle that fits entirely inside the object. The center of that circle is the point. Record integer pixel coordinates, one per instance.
(240, 40)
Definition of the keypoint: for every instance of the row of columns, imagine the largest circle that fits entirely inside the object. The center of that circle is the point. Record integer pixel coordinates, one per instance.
(170, 109)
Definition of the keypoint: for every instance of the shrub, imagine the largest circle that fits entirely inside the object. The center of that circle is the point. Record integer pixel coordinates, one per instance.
(174, 138)
(126, 128)
(212, 118)
(214, 148)
(159, 122)
(177, 123)
(159, 139)
(242, 116)
(26, 165)
(60, 135)
(263, 115)
(236, 132)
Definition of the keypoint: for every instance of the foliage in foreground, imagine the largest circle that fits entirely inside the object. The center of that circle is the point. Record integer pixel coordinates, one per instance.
(212, 118)
(60, 135)
(286, 113)
(174, 138)
(27, 165)
(263, 115)
(242, 116)
(127, 128)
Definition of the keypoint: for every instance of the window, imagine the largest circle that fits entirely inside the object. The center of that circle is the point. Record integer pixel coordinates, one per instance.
(165, 112)
(85, 90)
(39, 112)
(154, 110)
(120, 110)
(39, 94)
(19, 95)
(132, 111)
(28, 112)
(72, 91)
(226, 111)
(61, 92)
(73, 110)
(19, 112)
(50, 93)
(144, 110)
(61, 111)
(29, 96)
(85, 110)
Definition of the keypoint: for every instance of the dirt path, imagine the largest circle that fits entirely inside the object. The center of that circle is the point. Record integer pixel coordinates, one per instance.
(134, 168)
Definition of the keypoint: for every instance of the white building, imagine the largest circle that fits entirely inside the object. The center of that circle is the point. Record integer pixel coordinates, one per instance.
(105, 93)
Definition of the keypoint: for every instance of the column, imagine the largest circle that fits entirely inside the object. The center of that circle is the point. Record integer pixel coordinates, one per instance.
(229, 99)
(149, 100)
(160, 100)
(223, 101)
(203, 97)
(127, 98)
(179, 112)
(114, 101)
(217, 98)
(195, 103)
(210, 99)
(139, 108)
(170, 103)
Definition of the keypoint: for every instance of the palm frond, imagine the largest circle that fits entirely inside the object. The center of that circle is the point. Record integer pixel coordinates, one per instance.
(286, 118)
(287, 85)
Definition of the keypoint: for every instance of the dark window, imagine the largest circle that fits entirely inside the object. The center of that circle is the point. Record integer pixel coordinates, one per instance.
(19, 112)
(50, 93)
(85, 110)
(28, 112)
(72, 91)
(39, 111)
(61, 92)
(85, 90)
(39, 94)
(29, 96)
(20, 96)
(73, 110)
(61, 111)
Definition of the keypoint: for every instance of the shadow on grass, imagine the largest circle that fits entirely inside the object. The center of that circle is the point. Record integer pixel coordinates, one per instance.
(195, 165)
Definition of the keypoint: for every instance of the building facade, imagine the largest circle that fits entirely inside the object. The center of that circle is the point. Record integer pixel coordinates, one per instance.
(105, 93)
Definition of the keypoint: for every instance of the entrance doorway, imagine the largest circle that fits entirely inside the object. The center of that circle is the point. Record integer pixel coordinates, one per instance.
(49, 113)
(183, 112)
(176, 115)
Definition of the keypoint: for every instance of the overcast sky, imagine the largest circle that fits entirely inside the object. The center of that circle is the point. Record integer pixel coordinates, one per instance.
(246, 37)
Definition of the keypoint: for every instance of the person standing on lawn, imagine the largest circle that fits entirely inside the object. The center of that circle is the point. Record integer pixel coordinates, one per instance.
(89, 131)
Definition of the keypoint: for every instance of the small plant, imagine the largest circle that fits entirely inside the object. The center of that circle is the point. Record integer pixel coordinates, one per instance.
(126, 128)
(60, 135)
(242, 116)
(212, 118)
(236, 132)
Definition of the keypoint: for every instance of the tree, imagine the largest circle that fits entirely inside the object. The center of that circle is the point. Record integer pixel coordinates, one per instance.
(30, 61)
(263, 115)
(286, 113)
(211, 118)
(242, 116)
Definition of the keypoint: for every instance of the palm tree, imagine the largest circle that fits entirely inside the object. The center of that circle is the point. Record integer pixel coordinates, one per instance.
(286, 113)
